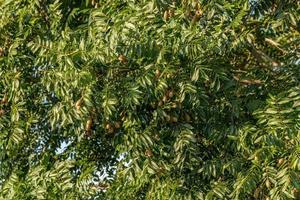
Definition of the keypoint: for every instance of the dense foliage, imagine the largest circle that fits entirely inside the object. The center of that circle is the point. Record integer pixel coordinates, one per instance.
(149, 99)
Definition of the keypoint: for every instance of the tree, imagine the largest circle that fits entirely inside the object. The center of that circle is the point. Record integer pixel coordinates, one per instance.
(150, 99)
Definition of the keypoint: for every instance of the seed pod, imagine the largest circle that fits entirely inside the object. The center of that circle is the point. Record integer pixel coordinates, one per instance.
(157, 73)
(118, 125)
(4, 99)
(122, 59)
(88, 125)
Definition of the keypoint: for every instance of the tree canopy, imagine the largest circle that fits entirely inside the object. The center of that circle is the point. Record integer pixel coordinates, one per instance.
(149, 99)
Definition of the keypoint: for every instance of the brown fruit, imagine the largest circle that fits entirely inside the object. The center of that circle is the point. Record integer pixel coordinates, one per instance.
(280, 161)
(168, 118)
(118, 125)
(179, 105)
(148, 153)
(268, 184)
(157, 73)
(187, 117)
(199, 13)
(88, 124)
(174, 119)
(4, 99)
(296, 193)
(160, 103)
(2, 112)
(197, 16)
(170, 94)
(171, 13)
(166, 15)
(165, 99)
(78, 104)
(122, 59)
(111, 130)
(1, 51)
(107, 126)
(174, 105)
